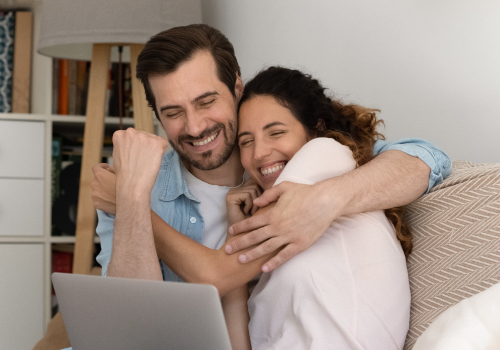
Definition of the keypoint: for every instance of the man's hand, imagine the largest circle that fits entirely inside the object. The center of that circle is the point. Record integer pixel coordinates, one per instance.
(104, 188)
(137, 159)
(301, 215)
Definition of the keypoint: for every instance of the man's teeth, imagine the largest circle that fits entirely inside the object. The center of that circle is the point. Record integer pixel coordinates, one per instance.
(204, 142)
(271, 170)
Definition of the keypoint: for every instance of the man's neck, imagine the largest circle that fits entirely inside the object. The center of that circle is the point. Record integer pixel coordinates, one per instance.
(229, 174)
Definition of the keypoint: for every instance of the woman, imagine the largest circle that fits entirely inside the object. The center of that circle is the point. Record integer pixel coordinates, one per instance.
(350, 289)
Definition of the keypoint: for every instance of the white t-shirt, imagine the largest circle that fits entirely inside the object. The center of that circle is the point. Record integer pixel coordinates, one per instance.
(212, 209)
(349, 290)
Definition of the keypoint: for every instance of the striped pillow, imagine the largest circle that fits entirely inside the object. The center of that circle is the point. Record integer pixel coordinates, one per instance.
(456, 252)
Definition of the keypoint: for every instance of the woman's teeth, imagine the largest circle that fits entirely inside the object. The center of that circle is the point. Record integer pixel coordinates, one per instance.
(271, 170)
(207, 140)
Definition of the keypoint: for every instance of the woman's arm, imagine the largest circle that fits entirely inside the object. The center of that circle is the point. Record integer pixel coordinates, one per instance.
(235, 309)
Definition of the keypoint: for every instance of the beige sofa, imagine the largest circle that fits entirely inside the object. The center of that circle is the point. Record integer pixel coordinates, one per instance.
(456, 251)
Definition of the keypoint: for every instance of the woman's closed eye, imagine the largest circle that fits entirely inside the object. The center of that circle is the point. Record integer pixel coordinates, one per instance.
(245, 142)
(277, 133)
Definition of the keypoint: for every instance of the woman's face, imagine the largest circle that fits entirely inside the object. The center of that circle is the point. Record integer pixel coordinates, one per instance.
(269, 135)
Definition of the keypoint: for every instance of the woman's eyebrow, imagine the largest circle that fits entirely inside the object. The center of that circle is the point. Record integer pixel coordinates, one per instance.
(243, 134)
(267, 126)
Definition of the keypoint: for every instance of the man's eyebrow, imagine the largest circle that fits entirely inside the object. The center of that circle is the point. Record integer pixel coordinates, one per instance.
(267, 126)
(201, 97)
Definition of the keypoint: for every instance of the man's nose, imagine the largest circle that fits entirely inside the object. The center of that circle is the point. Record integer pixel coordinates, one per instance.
(195, 124)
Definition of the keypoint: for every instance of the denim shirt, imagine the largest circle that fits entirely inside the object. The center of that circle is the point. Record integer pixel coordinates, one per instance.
(174, 203)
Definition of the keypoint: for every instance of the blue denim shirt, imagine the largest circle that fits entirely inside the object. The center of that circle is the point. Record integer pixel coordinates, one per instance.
(174, 203)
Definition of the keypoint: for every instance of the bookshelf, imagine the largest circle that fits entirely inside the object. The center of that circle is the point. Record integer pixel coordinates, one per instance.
(26, 256)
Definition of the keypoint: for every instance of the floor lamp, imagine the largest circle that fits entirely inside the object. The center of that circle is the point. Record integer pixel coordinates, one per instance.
(92, 30)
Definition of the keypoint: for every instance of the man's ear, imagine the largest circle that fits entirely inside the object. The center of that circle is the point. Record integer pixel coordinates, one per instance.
(238, 88)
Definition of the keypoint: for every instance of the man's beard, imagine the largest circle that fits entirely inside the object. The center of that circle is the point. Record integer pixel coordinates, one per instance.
(209, 161)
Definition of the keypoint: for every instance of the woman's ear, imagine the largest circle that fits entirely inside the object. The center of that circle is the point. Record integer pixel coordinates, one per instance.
(238, 88)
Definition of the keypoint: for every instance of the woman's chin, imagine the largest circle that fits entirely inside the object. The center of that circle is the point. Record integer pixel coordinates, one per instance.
(267, 181)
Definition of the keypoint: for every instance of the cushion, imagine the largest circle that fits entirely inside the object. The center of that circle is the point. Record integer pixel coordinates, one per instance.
(473, 323)
(456, 254)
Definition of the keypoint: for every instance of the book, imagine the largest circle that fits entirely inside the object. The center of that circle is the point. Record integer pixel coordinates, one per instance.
(62, 87)
(7, 28)
(21, 83)
(72, 92)
(55, 83)
(82, 78)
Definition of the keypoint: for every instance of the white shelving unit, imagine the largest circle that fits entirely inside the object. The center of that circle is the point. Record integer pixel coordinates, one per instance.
(26, 256)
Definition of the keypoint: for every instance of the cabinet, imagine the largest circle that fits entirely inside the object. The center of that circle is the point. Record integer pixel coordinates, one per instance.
(25, 207)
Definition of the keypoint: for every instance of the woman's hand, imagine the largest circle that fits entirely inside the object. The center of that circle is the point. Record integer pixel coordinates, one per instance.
(239, 201)
(104, 188)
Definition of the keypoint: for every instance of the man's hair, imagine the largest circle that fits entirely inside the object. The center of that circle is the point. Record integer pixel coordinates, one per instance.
(165, 52)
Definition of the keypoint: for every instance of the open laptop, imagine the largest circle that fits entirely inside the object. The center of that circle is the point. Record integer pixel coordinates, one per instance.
(122, 313)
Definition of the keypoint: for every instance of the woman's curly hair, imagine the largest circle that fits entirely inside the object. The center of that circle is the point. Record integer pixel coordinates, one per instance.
(351, 125)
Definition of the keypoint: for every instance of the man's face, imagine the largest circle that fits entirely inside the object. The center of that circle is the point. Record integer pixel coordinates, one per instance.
(197, 111)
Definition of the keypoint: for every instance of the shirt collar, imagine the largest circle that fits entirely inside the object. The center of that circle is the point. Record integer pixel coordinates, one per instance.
(175, 183)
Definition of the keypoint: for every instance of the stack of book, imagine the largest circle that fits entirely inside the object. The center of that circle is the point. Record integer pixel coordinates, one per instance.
(70, 82)
(15, 61)
(70, 86)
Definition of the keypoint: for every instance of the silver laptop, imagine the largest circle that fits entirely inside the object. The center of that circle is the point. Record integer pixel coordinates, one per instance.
(122, 313)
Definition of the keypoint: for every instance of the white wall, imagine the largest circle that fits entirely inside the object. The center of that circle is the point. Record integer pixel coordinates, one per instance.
(432, 67)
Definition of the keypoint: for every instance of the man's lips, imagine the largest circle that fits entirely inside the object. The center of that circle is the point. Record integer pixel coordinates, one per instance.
(205, 140)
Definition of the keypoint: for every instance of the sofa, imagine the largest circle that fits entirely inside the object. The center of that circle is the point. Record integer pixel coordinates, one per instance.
(456, 252)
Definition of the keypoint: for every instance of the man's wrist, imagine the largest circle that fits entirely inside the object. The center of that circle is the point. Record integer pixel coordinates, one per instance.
(335, 194)
(132, 190)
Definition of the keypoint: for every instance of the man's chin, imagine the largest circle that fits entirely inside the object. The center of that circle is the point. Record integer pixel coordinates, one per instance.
(207, 160)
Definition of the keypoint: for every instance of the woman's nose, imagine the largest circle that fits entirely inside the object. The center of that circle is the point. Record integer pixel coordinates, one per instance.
(261, 150)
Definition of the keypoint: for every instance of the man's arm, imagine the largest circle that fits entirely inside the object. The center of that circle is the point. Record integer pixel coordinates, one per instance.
(396, 177)
(137, 158)
(190, 260)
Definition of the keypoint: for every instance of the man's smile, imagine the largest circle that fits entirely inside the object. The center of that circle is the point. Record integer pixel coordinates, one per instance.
(206, 140)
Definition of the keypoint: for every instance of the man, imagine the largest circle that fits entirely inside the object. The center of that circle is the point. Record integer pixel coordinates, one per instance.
(192, 82)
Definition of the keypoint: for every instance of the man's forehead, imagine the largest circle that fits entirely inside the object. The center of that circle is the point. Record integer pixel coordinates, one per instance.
(193, 78)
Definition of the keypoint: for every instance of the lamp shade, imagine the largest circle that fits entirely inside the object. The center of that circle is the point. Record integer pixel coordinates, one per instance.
(70, 27)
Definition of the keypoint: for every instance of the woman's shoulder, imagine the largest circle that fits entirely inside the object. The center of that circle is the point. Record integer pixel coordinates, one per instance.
(319, 159)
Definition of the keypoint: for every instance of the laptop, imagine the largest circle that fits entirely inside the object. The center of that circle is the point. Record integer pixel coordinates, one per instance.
(122, 313)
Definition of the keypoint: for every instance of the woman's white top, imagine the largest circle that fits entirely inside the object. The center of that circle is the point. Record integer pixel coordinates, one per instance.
(349, 290)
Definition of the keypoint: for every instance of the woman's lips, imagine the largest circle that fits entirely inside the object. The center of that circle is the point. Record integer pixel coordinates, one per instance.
(271, 169)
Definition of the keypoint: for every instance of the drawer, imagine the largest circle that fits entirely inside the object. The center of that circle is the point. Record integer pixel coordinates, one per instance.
(22, 149)
(21, 207)
(21, 295)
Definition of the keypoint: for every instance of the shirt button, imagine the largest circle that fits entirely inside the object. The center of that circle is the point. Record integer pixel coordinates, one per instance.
(192, 220)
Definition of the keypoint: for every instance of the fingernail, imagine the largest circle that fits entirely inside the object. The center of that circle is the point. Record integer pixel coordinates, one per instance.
(229, 249)
(265, 268)
(242, 258)
(231, 230)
